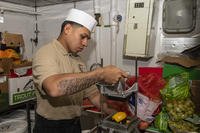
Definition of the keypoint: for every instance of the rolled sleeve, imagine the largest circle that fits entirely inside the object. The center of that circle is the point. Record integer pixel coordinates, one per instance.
(44, 65)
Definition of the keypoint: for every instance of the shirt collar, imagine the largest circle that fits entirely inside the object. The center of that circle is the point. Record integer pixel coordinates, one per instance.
(60, 47)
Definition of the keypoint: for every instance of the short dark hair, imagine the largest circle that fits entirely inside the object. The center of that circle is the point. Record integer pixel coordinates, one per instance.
(69, 22)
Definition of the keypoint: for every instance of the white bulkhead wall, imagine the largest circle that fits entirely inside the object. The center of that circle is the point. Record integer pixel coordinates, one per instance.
(19, 23)
(51, 18)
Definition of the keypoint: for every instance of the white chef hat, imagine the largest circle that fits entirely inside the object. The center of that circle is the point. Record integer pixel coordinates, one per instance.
(81, 18)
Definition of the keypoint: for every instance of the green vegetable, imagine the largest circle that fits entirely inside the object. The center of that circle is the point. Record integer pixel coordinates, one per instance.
(180, 109)
(182, 126)
(177, 87)
(161, 121)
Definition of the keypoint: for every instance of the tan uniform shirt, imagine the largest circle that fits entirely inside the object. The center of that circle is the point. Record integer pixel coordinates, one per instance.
(54, 59)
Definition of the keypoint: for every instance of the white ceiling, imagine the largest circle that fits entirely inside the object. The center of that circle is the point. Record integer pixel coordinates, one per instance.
(39, 3)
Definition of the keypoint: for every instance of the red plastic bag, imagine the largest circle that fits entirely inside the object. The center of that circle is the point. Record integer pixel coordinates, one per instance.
(116, 105)
(150, 85)
(130, 81)
(87, 105)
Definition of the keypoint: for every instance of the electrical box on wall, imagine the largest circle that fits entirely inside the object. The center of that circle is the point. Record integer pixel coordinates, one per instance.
(138, 26)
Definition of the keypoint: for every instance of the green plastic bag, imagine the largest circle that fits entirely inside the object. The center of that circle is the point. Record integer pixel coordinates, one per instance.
(161, 121)
(177, 87)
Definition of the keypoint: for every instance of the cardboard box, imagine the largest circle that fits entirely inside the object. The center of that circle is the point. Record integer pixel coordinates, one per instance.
(195, 92)
(24, 63)
(13, 40)
(3, 93)
(21, 88)
(6, 64)
(179, 59)
(188, 58)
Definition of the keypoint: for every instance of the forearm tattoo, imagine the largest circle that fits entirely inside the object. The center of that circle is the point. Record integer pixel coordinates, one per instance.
(71, 86)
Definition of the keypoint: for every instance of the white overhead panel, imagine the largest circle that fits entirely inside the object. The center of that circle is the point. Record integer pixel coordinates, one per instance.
(138, 26)
(39, 3)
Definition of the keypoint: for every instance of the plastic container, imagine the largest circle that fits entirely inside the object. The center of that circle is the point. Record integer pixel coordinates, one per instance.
(32, 117)
(13, 126)
(85, 131)
(17, 115)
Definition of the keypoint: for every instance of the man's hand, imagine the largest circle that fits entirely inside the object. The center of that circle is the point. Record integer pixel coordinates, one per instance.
(111, 74)
(96, 101)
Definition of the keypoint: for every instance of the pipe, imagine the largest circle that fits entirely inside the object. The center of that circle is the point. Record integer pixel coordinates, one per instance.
(114, 24)
(96, 6)
(5, 9)
(97, 34)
